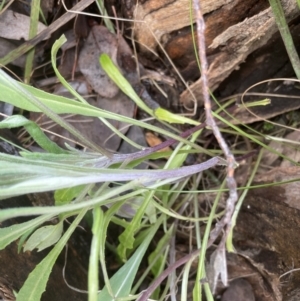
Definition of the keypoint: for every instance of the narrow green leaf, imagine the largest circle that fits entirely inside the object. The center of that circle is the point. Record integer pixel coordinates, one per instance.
(20, 175)
(163, 242)
(122, 280)
(107, 20)
(93, 275)
(102, 237)
(35, 132)
(281, 21)
(105, 198)
(34, 20)
(165, 115)
(11, 89)
(58, 43)
(113, 72)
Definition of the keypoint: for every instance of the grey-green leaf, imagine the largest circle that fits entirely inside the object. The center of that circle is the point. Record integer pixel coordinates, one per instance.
(10, 234)
(36, 282)
(44, 237)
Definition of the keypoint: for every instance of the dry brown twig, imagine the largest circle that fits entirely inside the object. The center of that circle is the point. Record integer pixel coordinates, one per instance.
(225, 222)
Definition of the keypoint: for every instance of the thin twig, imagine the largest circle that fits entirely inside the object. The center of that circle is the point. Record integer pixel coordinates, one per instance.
(147, 293)
(231, 183)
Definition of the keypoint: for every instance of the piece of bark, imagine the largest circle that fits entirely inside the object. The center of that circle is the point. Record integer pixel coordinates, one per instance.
(236, 43)
(230, 37)
(269, 61)
(289, 192)
(285, 101)
(180, 46)
(266, 64)
(162, 17)
(267, 224)
(263, 280)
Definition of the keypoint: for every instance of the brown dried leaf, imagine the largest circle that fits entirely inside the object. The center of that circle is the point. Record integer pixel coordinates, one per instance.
(217, 268)
(8, 46)
(18, 26)
(289, 192)
(99, 41)
(290, 150)
(153, 140)
(263, 283)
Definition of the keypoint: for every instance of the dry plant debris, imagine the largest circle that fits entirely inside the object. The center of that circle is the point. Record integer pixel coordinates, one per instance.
(230, 47)
(250, 274)
(19, 26)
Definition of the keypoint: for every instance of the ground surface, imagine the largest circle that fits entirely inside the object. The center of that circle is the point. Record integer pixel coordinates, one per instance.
(244, 48)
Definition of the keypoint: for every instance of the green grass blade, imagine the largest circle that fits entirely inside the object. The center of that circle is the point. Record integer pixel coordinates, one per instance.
(16, 94)
(167, 116)
(102, 236)
(34, 20)
(157, 253)
(11, 93)
(94, 255)
(162, 114)
(35, 132)
(58, 43)
(122, 280)
(107, 21)
(197, 291)
(286, 35)
(113, 72)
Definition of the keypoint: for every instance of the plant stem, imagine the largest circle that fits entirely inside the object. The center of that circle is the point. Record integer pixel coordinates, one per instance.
(286, 35)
